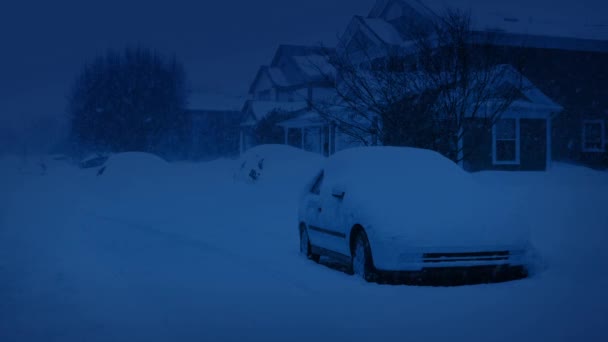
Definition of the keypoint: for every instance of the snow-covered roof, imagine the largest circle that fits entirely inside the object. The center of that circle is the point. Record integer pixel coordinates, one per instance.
(384, 30)
(583, 19)
(306, 69)
(306, 119)
(277, 76)
(287, 50)
(315, 67)
(260, 109)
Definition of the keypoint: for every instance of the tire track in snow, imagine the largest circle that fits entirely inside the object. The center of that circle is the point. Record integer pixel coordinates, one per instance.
(203, 246)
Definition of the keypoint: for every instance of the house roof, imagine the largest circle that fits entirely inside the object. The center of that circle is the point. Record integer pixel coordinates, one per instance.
(314, 67)
(257, 110)
(310, 65)
(383, 30)
(304, 120)
(298, 50)
(367, 35)
(583, 19)
(275, 75)
(540, 23)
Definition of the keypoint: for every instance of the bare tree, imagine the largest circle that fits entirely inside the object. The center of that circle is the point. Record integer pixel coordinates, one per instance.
(463, 67)
(426, 93)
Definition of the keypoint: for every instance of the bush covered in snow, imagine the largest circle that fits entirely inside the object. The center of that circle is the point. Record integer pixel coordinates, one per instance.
(279, 164)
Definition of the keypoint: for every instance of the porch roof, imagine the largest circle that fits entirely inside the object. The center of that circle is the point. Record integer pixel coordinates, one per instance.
(305, 120)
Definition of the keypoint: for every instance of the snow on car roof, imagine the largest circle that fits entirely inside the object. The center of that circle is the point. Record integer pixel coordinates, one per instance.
(399, 162)
(417, 195)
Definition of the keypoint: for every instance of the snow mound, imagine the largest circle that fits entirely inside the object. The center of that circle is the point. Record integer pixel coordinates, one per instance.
(130, 169)
(278, 164)
(134, 162)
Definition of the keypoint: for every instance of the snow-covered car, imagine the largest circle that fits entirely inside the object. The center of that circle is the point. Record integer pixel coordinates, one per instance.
(391, 210)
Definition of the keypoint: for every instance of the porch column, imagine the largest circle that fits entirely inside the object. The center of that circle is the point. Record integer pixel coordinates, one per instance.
(549, 122)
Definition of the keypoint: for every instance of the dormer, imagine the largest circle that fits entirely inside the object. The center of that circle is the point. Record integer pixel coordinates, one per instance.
(404, 15)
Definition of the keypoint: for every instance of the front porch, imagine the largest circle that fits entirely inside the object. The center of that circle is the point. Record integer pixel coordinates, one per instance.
(310, 132)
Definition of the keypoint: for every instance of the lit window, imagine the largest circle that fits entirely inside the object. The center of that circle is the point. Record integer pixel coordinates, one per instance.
(505, 144)
(594, 139)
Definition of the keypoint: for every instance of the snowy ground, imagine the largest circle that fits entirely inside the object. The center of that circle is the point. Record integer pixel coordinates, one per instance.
(185, 252)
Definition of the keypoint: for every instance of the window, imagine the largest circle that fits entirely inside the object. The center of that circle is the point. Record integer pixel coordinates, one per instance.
(505, 142)
(316, 187)
(594, 138)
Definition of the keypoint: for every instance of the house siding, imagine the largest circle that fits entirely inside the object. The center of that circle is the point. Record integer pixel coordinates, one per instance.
(477, 147)
(578, 81)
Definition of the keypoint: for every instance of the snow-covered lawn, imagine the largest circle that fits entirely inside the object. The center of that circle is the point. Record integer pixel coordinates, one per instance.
(151, 251)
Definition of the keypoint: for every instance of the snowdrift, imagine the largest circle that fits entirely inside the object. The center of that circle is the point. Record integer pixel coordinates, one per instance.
(196, 255)
(278, 165)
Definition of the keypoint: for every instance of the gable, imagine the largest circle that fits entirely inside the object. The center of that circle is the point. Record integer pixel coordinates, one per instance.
(358, 43)
(357, 38)
(286, 51)
(287, 63)
(249, 119)
(392, 11)
(262, 81)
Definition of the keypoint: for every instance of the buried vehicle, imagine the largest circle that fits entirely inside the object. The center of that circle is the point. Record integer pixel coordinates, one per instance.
(391, 211)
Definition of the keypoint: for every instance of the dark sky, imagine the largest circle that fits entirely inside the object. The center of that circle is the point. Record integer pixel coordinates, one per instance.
(221, 43)
(44, 43)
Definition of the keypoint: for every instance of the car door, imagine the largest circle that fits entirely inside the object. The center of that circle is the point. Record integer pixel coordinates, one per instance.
(313, 212)
(332, 219)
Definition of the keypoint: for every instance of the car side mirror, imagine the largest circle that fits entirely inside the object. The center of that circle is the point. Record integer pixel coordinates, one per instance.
(338, 191)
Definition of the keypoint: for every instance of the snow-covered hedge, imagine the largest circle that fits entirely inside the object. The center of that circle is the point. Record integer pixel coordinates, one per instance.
(277, 164)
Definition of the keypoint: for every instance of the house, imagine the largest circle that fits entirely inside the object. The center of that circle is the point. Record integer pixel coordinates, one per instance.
(563, 115)
(574, 73)
(297, 77)
(214, 125)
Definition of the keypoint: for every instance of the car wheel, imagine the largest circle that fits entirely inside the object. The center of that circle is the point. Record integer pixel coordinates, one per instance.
(362, 264)
(305, 247)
